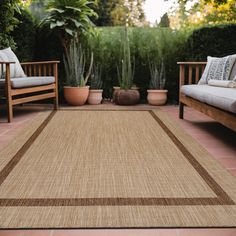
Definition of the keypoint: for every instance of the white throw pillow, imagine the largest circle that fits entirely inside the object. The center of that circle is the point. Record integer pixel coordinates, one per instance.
(223, 68)
(4, 58)
(233, 73)
(203, 79)
(7, 55)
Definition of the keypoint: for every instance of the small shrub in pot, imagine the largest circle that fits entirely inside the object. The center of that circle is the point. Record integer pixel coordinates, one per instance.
(76, 90)
(95, 92)
(157, 95)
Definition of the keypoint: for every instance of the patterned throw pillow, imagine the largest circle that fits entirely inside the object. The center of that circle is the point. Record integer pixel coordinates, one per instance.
(203, 79)
(219, 68)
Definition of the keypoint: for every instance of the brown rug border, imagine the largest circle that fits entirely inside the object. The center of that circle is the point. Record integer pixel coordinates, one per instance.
(221, 199)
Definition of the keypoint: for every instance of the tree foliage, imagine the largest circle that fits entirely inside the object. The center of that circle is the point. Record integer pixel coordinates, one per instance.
(7, 21)
(24, 35)
(203, 12)
(165, 21)
(120, 12)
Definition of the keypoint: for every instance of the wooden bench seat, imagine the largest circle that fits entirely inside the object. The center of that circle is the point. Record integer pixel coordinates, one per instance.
(22, 95)
(190, 73)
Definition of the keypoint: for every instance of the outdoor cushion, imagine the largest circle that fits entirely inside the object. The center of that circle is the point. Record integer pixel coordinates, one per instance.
(212, 62)
(203, 79)
(7, 55)
(222, 83)
(26, 82)
(233, 73)
(223, 98)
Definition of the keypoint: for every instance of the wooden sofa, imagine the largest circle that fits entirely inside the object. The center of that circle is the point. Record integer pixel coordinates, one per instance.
(26, 94)
(190, 73)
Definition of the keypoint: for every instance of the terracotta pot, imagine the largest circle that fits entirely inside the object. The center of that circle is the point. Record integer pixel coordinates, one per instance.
(157, 97)
(95, 96)
(126, 97)
(76, 96)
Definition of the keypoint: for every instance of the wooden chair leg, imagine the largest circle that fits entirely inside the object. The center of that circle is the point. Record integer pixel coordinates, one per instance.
(9, 111)
(181, 110)
(55, 73)
(8, 94)
(56, 102)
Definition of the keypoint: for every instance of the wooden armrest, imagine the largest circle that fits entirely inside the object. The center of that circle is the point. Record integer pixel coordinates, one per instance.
(6, 62)
(192, 63)
(40, 62)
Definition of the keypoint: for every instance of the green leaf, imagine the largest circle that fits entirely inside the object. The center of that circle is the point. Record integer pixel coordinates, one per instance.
(53, 25)
(56, 9)
(77, 24)
(69, 31)
(60, 23)
(73, 8)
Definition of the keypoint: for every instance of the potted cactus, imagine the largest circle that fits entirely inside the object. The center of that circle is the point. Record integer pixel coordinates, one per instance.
(157, 95)
(76, 90)
(125, 95)
(95, 92)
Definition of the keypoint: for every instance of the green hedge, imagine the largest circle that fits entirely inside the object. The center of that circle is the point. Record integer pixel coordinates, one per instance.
(24, 35)
(105, 43)
(211, 41)
(7, 23)
(146, 44)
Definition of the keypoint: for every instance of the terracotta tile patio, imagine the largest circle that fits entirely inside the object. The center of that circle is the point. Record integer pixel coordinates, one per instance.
(218, 140)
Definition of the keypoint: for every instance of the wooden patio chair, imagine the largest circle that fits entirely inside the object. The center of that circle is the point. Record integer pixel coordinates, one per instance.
(41, 82)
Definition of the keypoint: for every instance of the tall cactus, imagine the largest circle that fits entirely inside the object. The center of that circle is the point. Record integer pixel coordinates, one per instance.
(126, 72)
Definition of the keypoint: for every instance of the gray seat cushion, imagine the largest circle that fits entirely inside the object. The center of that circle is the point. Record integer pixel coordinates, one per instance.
(223, 98)
(27, 82)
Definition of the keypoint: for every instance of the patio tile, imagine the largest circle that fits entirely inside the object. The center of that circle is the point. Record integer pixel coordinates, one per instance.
(207, 232)
(36, 232)
(25, 232)
(130, 232)
(229, 163)
(10, 233)
(221, 151)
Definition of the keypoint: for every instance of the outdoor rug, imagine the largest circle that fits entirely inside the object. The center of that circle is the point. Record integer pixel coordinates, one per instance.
(111, 169)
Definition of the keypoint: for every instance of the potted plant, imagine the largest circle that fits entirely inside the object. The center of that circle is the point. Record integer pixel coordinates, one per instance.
(125, 95)
(157, 95)
(95, 92)
(76, 92)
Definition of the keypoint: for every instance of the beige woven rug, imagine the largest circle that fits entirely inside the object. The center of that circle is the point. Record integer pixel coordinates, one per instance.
(111, 169)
